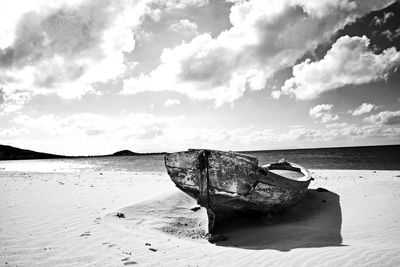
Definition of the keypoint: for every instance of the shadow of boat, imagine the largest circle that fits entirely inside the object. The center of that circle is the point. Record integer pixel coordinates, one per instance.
(313, 222)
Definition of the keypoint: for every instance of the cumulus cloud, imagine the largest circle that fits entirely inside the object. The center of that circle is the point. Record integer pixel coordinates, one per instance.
(323, 112)
(349, 61)
(363, 109)
(385, 118)
(184, 26)
(171, 102)
(263, 39)
(67, 48)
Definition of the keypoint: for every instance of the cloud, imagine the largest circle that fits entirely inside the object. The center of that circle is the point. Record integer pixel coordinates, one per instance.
(323, 112)
(377, 21)
(12, 132)
(310, 137)
(99, 134)
(363, 109)
(13, 101)
(95, 133)
(171, 102)
(300, 134)
(339, 131)
(337, 125)
(66, 48)
(385, 118)
(184, 26)
(349, 61)
(388, 16)
(177, 4)
(263, 39)
(391, 35)
(2, 98)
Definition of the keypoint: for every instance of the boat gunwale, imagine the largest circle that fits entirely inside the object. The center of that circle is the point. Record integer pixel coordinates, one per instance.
(295, 184)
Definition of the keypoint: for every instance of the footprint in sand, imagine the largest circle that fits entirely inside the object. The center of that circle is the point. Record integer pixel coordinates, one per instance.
(86, 234)
(130, 262)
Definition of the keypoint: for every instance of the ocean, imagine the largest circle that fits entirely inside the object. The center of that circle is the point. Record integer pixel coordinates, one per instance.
(356, 158)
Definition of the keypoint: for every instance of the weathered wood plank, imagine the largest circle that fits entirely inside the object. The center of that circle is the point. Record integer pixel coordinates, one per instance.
(230, 173)
(184, 160)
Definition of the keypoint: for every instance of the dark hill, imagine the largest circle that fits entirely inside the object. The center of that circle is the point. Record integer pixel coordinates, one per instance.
(12, 153)
(125, 153)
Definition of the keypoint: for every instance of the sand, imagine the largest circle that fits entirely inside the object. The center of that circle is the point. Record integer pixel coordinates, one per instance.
(69, 219)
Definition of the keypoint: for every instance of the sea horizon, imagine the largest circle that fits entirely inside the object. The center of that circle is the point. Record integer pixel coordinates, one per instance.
(384, 157)
(140, 153)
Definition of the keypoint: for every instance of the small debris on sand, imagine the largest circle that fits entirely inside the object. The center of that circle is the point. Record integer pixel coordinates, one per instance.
(147, 244)
(196, 208)
(120, 215)
(153, 249)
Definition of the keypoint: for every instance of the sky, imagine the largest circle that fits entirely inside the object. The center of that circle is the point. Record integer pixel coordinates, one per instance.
(87, 77)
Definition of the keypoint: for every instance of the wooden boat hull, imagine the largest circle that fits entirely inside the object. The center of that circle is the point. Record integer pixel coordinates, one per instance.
(228, 183)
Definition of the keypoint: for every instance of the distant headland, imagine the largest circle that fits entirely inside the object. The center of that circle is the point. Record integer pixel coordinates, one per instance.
(14, 153)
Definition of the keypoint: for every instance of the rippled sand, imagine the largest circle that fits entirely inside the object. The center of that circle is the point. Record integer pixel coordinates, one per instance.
(69, 219)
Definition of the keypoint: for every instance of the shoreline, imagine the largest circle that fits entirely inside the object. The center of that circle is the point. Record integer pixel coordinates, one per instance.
(69, 219)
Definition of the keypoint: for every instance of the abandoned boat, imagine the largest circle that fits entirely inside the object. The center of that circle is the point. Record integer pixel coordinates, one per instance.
(228, 183)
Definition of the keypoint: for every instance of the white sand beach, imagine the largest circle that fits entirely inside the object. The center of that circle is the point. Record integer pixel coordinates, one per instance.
(68, 219)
